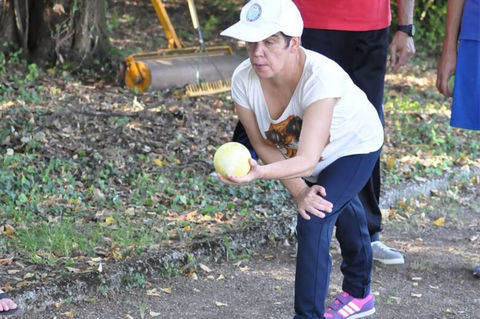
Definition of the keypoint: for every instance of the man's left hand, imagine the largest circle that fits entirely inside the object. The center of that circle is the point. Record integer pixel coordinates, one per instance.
(402, 48)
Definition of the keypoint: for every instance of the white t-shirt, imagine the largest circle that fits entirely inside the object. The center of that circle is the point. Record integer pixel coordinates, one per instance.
(355, 126)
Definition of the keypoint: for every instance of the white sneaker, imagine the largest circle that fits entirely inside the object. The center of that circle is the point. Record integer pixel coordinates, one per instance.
(385, 254)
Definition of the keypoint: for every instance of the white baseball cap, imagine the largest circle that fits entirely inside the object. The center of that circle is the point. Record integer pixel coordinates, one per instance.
(260, 19)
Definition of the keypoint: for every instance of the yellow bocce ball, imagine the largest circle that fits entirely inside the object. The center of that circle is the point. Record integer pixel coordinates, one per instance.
(451, 82)
(232, 158)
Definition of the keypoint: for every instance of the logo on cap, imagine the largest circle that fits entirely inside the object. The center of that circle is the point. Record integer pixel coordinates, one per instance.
(254, 12)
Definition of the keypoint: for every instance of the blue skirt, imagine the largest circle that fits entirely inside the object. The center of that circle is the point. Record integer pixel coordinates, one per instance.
(466, 91)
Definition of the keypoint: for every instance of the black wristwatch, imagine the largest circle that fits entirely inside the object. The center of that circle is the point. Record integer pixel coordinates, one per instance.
(408, 29)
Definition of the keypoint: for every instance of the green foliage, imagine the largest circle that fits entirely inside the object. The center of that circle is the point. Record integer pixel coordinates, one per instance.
(20, 77)
(210, 27)
(136, 280)
(230, 254)
(222, 13)
(169, 270)
(114, 20)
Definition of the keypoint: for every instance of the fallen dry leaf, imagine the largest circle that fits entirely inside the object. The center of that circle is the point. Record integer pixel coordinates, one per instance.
(440, 222)
(190, 273)
(204, 268)
(73, 270)
(69, 314)
(58, 8)
(167, 290)
(98, 195)
(154, 292)
(13, 271)
(154, 314)
(160, 163)
(9, 230)
(108, 221)
(6, 261)
(391, 161)
(435, 192)
(22, 284)
(7, 287)
(28, 275)
(220, 304)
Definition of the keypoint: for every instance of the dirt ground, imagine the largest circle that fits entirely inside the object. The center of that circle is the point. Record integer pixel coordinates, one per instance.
(435, 281)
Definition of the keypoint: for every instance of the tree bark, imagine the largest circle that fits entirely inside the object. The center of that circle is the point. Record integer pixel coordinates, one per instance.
(56, 31)
(7, 24)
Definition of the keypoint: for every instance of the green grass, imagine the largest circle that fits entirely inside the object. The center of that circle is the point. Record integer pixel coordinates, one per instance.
(45, 201)
(54, 209)
(420, 141)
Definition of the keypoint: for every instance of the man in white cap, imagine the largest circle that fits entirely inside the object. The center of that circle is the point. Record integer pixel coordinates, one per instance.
(316, 132)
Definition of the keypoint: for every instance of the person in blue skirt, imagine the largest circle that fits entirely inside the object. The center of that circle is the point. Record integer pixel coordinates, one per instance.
(461, 58)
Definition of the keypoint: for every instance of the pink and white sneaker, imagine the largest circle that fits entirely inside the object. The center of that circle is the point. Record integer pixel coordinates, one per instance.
(345, 306)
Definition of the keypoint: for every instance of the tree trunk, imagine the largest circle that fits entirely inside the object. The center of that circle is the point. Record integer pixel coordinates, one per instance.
(7, 24)
(55, 31)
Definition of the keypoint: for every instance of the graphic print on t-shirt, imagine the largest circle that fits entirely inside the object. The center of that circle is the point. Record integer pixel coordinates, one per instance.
(285, 135)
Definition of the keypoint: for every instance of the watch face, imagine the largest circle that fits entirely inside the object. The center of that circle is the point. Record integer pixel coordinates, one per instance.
(412, 31)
